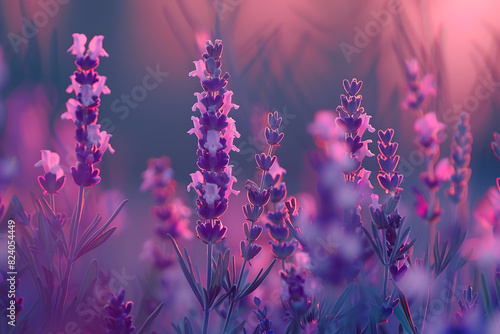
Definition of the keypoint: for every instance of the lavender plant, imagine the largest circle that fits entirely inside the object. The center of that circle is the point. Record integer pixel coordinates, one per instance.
(213, 183)
(48, 251)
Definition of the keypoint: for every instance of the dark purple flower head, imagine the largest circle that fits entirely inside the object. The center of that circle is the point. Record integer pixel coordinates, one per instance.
(352, 88)
(118, 320)
(278, 232)
(257, 196)
(274, 137)
(85, 175)
(264, 162)
(249, 250)
(278, 193)
(283, 250)
(274, 121)
(54, 178)
(210, 231)
(252, 233)
(252, 212)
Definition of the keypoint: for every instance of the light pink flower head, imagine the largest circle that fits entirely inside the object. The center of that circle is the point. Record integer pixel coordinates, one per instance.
(94, 51)
(95, 48)
(429, 130)
(71, 107)
(99, 138)
(50, 162)
(78, 47)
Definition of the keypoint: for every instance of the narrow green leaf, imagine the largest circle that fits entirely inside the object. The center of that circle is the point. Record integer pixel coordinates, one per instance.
(95, 242)
(189, 277)
(487, 295)
(90, 278)
(341, 300)
(149, 321)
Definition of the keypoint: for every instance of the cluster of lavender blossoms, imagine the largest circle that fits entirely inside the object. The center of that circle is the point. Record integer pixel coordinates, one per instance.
(352, 123)
(215, 132)
(87, 85)
(169, 210)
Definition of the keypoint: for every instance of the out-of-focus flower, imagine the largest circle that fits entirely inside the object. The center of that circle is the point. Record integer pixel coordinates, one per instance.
(54, 178)
(429, 130)
(119, 320)
(495, 145)
(460, 157)
(420, 89)
(468, 305)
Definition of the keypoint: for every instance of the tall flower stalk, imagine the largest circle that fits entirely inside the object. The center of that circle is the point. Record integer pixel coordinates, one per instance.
(353, 122)
(460, 159)
(429, 136)
(48, 251)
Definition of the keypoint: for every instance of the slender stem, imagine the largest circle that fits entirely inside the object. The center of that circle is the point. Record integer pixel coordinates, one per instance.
(425, 305)
(386, 265)
(73, 241)
(433, 224)
(206, 314)
(231, 306)
(52, 202)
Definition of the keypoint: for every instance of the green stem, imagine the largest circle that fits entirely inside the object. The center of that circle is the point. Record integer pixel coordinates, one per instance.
(206, 314)
(231, 306)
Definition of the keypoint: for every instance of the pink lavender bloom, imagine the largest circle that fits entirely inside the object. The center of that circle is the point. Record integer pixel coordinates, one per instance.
(429, 131)
(54, 178)
(87, 85)
(420, 88)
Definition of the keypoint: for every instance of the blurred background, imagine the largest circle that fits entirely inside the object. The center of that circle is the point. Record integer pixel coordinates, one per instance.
(284, 55)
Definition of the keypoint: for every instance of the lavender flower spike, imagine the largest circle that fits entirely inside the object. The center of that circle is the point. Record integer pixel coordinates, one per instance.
(460, 157)
(213, 182)
(215, 132)
(388, 160)
(87, 85)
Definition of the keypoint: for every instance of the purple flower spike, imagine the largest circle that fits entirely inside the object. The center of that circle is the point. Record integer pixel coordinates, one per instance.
(211, 231)
(215, 132)
(388, 161)
(83, 111)
(118, 320)
(460, 158)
